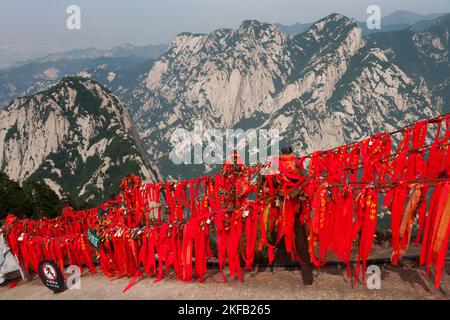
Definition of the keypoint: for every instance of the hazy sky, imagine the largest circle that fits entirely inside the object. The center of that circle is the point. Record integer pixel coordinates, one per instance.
(39, 26)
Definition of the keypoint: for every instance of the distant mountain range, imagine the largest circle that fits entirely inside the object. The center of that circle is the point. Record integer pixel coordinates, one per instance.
(126, 50)
(325, 86)
(397, 20)
(37, 76)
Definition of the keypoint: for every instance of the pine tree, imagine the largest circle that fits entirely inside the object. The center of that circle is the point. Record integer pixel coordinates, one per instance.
(11, 197)
(33, 199)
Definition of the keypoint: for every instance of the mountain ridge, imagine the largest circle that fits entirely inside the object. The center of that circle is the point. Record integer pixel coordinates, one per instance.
(121, 51)
(321, 88)
(397, 20)
(315, 87)
(76, 137)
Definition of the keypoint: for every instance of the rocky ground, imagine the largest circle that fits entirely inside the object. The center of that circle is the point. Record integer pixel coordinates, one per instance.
(402, 282)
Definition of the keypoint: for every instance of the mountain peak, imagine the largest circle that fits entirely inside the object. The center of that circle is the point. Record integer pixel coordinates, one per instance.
(246, 24)
(76, 137)
(88, 94)
(331, 27)
(256, 27)
(336, 18)
(72, 80)
(332, 23)
(76, 81)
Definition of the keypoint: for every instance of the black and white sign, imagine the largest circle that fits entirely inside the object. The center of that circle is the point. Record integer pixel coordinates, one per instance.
(51, 275)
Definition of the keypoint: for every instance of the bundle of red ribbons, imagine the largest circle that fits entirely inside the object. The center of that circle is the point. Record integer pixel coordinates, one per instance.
(157, 228)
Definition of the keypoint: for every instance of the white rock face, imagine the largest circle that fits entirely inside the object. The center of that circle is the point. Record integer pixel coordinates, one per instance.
(321, 88)
(24, 141)
(324, 87)
(232, 72)
(75, 129)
